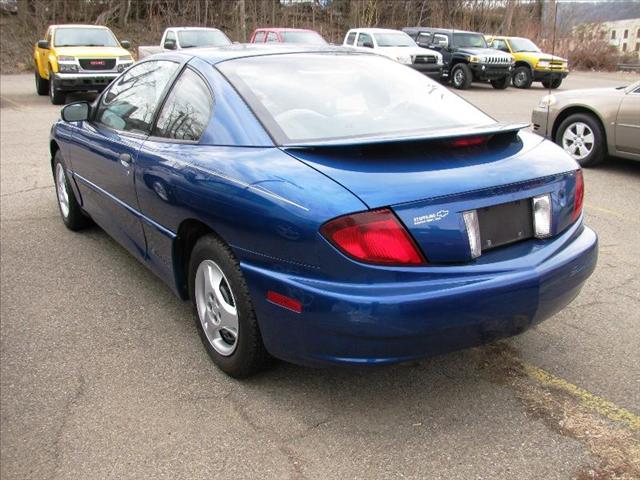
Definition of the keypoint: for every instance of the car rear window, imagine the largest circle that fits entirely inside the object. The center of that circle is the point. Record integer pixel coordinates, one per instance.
(311, 97)
(309, 38)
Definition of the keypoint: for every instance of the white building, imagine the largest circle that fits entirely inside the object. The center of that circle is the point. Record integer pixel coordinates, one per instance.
(622, 34)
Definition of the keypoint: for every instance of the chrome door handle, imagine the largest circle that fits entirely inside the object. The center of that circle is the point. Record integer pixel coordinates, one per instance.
(125, 159)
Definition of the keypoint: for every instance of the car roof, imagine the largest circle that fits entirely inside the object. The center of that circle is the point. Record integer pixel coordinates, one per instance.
(193, 28)
(215, 55)
(78, 25)
(439, 30)
(374, 30)
(282, 29)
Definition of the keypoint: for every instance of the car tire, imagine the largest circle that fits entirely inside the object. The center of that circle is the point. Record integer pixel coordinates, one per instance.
(56, 96)
(42, 85)
(461, 76)
(522, 77)
(582, 133)
(552, 84)
(72, 215)
(501, 83)
(224, 313)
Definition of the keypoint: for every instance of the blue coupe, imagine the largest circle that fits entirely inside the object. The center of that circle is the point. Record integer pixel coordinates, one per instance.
(325, 206)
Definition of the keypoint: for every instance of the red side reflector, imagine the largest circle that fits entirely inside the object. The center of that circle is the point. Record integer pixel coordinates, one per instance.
(284, 301)
(469, 141)
(578, 200)
(374, 237)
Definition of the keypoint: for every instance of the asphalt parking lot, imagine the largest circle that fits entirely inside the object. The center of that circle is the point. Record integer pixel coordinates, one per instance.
(103, 374)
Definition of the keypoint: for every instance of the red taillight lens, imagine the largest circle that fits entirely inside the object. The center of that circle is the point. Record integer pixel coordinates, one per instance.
(373, 237)
(468, 142)
(578, 199)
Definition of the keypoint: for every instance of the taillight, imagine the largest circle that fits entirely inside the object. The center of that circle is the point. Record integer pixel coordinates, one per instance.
(373, 237)
(578, 199)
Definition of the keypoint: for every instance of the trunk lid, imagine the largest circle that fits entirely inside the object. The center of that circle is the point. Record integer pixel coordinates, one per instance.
(429, 185)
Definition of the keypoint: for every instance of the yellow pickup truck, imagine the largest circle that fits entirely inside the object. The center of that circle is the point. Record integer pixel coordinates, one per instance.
(532, 65)
(78, 58)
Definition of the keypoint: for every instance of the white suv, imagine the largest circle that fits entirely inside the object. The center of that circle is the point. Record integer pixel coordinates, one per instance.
(398, 46)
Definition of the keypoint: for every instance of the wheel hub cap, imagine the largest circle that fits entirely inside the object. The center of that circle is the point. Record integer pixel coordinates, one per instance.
(216, 307)
(578, 140)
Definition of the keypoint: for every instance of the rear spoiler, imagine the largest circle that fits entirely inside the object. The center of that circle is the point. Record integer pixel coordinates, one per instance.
(441, 134)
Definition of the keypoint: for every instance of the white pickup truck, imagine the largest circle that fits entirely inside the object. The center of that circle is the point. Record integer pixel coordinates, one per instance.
(177, 38)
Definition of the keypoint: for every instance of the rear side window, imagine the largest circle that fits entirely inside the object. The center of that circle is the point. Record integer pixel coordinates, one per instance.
(424, 38)
(187, 110)
(351, 38)
(364, 38)
(130, 104)
(272, 38)
(259, 38)
(440, 39)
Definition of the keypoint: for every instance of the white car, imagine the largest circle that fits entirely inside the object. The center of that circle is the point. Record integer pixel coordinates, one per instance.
(177, 38)
(398, 46)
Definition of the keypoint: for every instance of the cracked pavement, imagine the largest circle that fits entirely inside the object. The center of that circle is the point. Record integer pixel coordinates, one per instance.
(102, 374)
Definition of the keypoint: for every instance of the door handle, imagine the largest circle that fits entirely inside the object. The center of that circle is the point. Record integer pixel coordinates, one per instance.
(125, 159)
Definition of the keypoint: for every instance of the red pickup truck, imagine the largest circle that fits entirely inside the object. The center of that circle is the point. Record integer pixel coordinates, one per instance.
(287, 35)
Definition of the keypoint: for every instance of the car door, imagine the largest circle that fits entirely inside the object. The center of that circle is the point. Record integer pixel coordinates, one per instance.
(163, 160)
(106, 148)
(628, 123)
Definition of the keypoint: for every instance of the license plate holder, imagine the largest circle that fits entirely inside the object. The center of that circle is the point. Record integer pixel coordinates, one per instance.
(505, 223)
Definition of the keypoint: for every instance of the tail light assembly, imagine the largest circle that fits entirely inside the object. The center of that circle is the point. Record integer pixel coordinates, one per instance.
(376, 237)
(578, 199)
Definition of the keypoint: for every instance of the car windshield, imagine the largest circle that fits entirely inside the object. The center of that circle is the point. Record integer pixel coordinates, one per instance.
(466, 40)
(394, 39)
(202, 38)
(310, 97)
(84, 37)
(523, 45)
(310, 38)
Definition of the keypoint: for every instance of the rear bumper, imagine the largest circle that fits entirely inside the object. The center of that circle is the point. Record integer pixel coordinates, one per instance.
(490, 72)
(438, 313)
(431, 70)
(74, 82)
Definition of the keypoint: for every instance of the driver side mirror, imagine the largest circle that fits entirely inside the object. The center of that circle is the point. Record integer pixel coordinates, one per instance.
(367, 44)
(126, 44)
(170, 44)
(43, 44)
(76, 112)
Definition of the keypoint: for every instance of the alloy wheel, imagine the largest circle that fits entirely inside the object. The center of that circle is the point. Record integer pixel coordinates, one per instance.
(458, 77)
(578, 140)
(61, 189)
(216, 307)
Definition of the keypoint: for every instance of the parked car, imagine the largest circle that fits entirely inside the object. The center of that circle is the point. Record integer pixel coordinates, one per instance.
(397, 46)
(287, 35)
(332, 207)
(177, 38)
(78, 58)
(466, 56)
(590, 124)
(532, 65)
